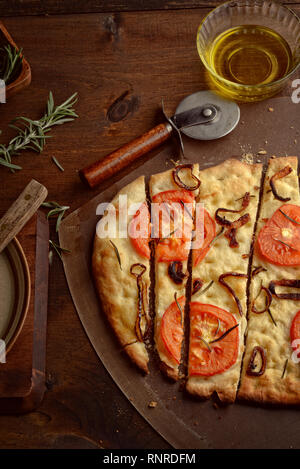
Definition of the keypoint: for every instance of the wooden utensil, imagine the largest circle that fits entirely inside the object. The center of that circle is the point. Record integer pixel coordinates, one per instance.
(21, 211)
(202, 116)
(24, 79)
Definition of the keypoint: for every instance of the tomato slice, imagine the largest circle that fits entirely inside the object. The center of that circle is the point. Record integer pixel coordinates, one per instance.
(171, 247)
(140, 244)
(295, 330)
(210, 322)
(279, 240)
(172, 330)
(209, 235)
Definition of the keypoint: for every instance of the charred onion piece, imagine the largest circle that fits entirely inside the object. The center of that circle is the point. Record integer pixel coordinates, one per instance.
(251, 367)
(142, 312)
(222, 281)
(180, 183)
(230, 233)
(205, 289)
(280, 174)
(175, 272)
(232, 226)
(258, 270)
(294, 283)
(197, 285)
(138, 274)
(222, 220)
(268, 301)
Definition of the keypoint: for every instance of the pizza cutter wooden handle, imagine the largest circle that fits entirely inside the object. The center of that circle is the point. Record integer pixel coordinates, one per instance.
(21, 211)
(107, 167)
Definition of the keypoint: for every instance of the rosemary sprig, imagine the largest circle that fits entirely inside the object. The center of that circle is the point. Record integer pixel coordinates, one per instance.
(58, 249)
(117, 253)
(12, 62)
(56, 209)
(31, 134)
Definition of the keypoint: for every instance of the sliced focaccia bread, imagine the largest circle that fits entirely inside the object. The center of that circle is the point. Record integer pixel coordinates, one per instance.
(271, 370)
(230, 195)
(173, 195)
(121, 268)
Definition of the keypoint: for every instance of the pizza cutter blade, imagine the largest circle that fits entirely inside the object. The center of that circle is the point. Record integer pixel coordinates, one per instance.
(202, 116)
(225, 116)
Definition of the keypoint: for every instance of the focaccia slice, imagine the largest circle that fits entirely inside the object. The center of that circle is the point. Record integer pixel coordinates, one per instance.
(271, 330)
(167, 337)
(214, 311)
(124, 298)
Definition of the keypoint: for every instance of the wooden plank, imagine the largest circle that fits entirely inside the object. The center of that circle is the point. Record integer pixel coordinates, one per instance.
(54, 7)
(22, 377)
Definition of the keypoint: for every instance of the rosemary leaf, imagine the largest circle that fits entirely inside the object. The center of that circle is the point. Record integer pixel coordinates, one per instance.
(117, 253)
(57, 163)
(58, 249)
(205, 343)
(284, 368)
(206, 288)
(12, 59)
(180, 309)
(289, 218)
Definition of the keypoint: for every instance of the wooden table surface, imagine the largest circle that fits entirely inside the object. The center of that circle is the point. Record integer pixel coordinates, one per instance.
(142, 51)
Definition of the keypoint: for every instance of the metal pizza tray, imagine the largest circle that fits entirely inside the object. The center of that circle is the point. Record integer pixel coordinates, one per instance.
(185, 422)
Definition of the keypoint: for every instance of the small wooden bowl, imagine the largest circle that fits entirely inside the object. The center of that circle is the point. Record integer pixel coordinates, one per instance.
(15, 289)
(24, 79)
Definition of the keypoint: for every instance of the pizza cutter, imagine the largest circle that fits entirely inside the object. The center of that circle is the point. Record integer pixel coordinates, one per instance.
(202, 116)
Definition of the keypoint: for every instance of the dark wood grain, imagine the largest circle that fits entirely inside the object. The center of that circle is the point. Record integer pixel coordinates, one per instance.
(149, 56)
(54, 7)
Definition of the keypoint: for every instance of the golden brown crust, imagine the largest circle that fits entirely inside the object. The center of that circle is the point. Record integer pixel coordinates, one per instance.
(226, 393)
(116, 287)
(223, 186)
(271, 387)
(165, 288)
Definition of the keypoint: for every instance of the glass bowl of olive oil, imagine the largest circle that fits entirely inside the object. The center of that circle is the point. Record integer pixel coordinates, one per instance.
(250, 48)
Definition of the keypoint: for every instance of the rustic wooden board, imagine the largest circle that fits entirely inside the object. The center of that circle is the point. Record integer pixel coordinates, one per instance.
(150, 55)
(195, 424)
(53, 7)
(22, 377)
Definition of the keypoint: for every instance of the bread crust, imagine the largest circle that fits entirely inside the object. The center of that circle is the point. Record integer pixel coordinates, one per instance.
(117, 288)
(165, 288)
(223, 186)
(271, 387)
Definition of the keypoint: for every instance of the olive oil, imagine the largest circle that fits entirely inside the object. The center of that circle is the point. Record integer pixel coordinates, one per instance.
(250, 55)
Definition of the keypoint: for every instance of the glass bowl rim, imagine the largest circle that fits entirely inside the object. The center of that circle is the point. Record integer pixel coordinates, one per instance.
(232, 83)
